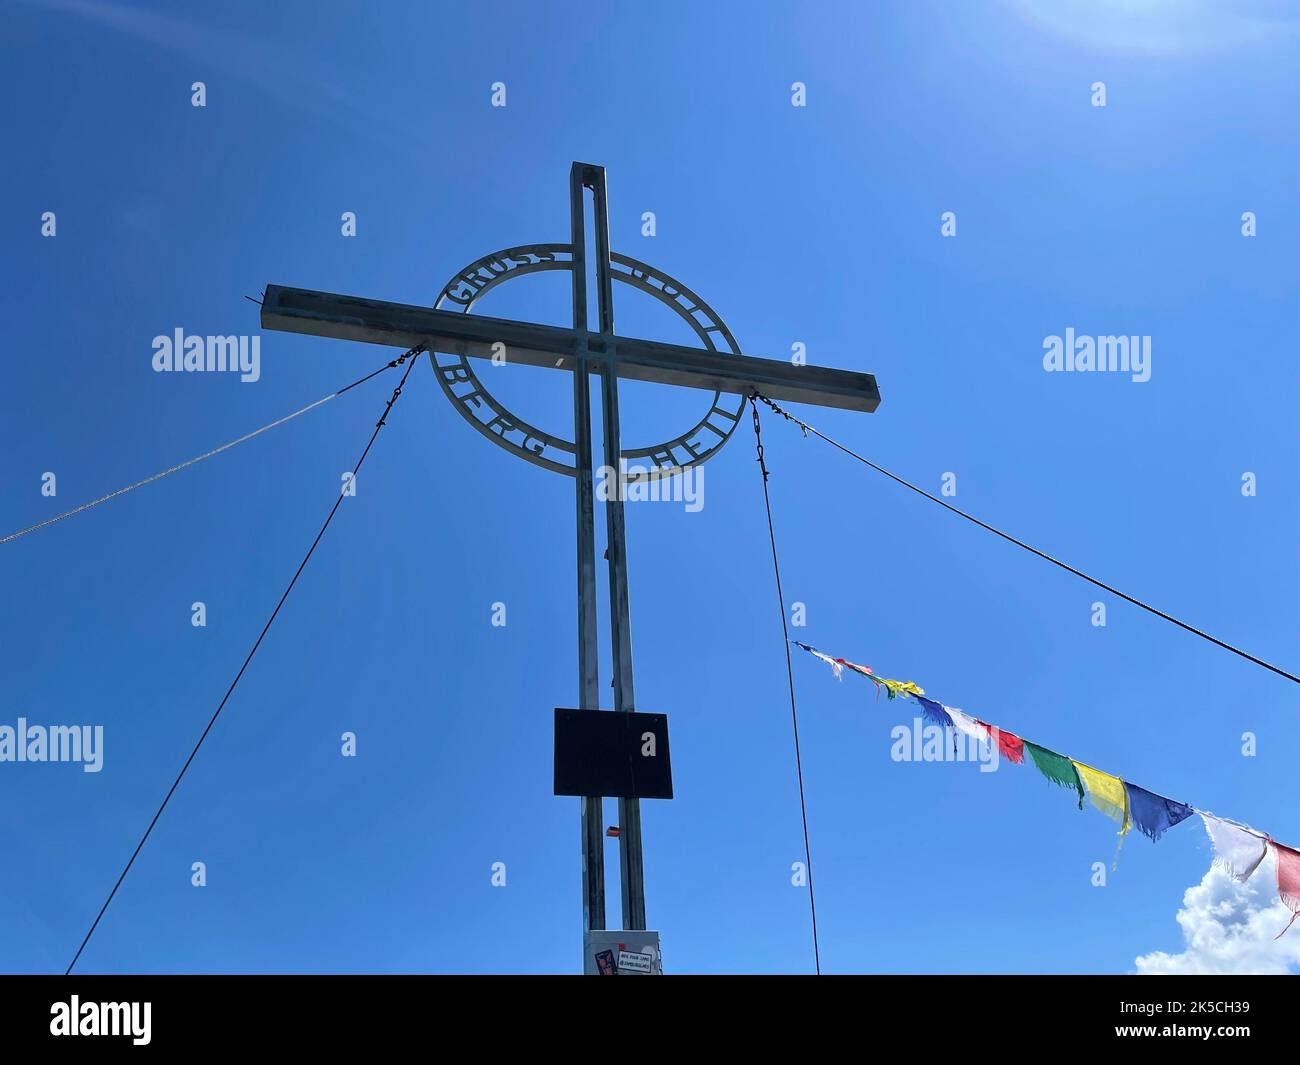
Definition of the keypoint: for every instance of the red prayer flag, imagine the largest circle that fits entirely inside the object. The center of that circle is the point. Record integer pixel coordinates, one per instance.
(1288, 881)
(612, 831)
(864, 670)
(1010, 746)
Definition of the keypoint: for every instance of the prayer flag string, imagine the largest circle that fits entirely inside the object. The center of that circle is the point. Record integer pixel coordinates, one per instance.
(1238, 849)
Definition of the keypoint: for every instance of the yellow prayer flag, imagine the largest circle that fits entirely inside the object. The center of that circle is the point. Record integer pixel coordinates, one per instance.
(899, 687)
(1106, 792)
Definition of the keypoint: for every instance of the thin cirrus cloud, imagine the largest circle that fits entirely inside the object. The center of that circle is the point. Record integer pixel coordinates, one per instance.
(287, 76)
(1160, 25)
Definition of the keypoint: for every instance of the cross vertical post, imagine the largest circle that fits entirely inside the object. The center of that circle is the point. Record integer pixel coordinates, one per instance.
(620, 623)
(593, 845)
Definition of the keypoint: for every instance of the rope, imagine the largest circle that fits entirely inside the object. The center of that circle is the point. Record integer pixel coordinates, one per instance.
(208, 454)
(789, 672)
(258, 643)
(1033, 550)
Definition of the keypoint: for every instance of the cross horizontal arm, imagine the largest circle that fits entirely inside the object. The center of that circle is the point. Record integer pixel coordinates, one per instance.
(401, 325)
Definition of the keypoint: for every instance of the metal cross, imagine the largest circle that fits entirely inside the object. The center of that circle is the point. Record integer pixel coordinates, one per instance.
(459, 335)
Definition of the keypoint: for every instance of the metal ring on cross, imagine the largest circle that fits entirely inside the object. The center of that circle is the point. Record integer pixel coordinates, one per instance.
(491, 418)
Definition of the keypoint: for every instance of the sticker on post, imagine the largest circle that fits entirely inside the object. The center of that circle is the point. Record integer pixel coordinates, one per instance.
(631, 962)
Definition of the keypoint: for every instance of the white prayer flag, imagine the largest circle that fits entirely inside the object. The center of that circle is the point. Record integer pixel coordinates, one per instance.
(967, 725)
(1238, 848)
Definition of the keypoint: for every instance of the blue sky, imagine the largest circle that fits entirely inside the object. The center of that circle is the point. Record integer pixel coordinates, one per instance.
(818, 225)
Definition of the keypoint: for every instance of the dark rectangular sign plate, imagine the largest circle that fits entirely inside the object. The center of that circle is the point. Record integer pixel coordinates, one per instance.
(604, 752)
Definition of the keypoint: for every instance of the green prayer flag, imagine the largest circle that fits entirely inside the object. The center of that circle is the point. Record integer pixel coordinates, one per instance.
(1056, 768)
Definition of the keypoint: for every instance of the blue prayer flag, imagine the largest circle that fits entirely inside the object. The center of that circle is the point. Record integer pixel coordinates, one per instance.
(934, 712)
(1154, 814)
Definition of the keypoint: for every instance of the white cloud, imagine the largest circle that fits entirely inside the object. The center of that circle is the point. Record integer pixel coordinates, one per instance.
(1230, 927)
